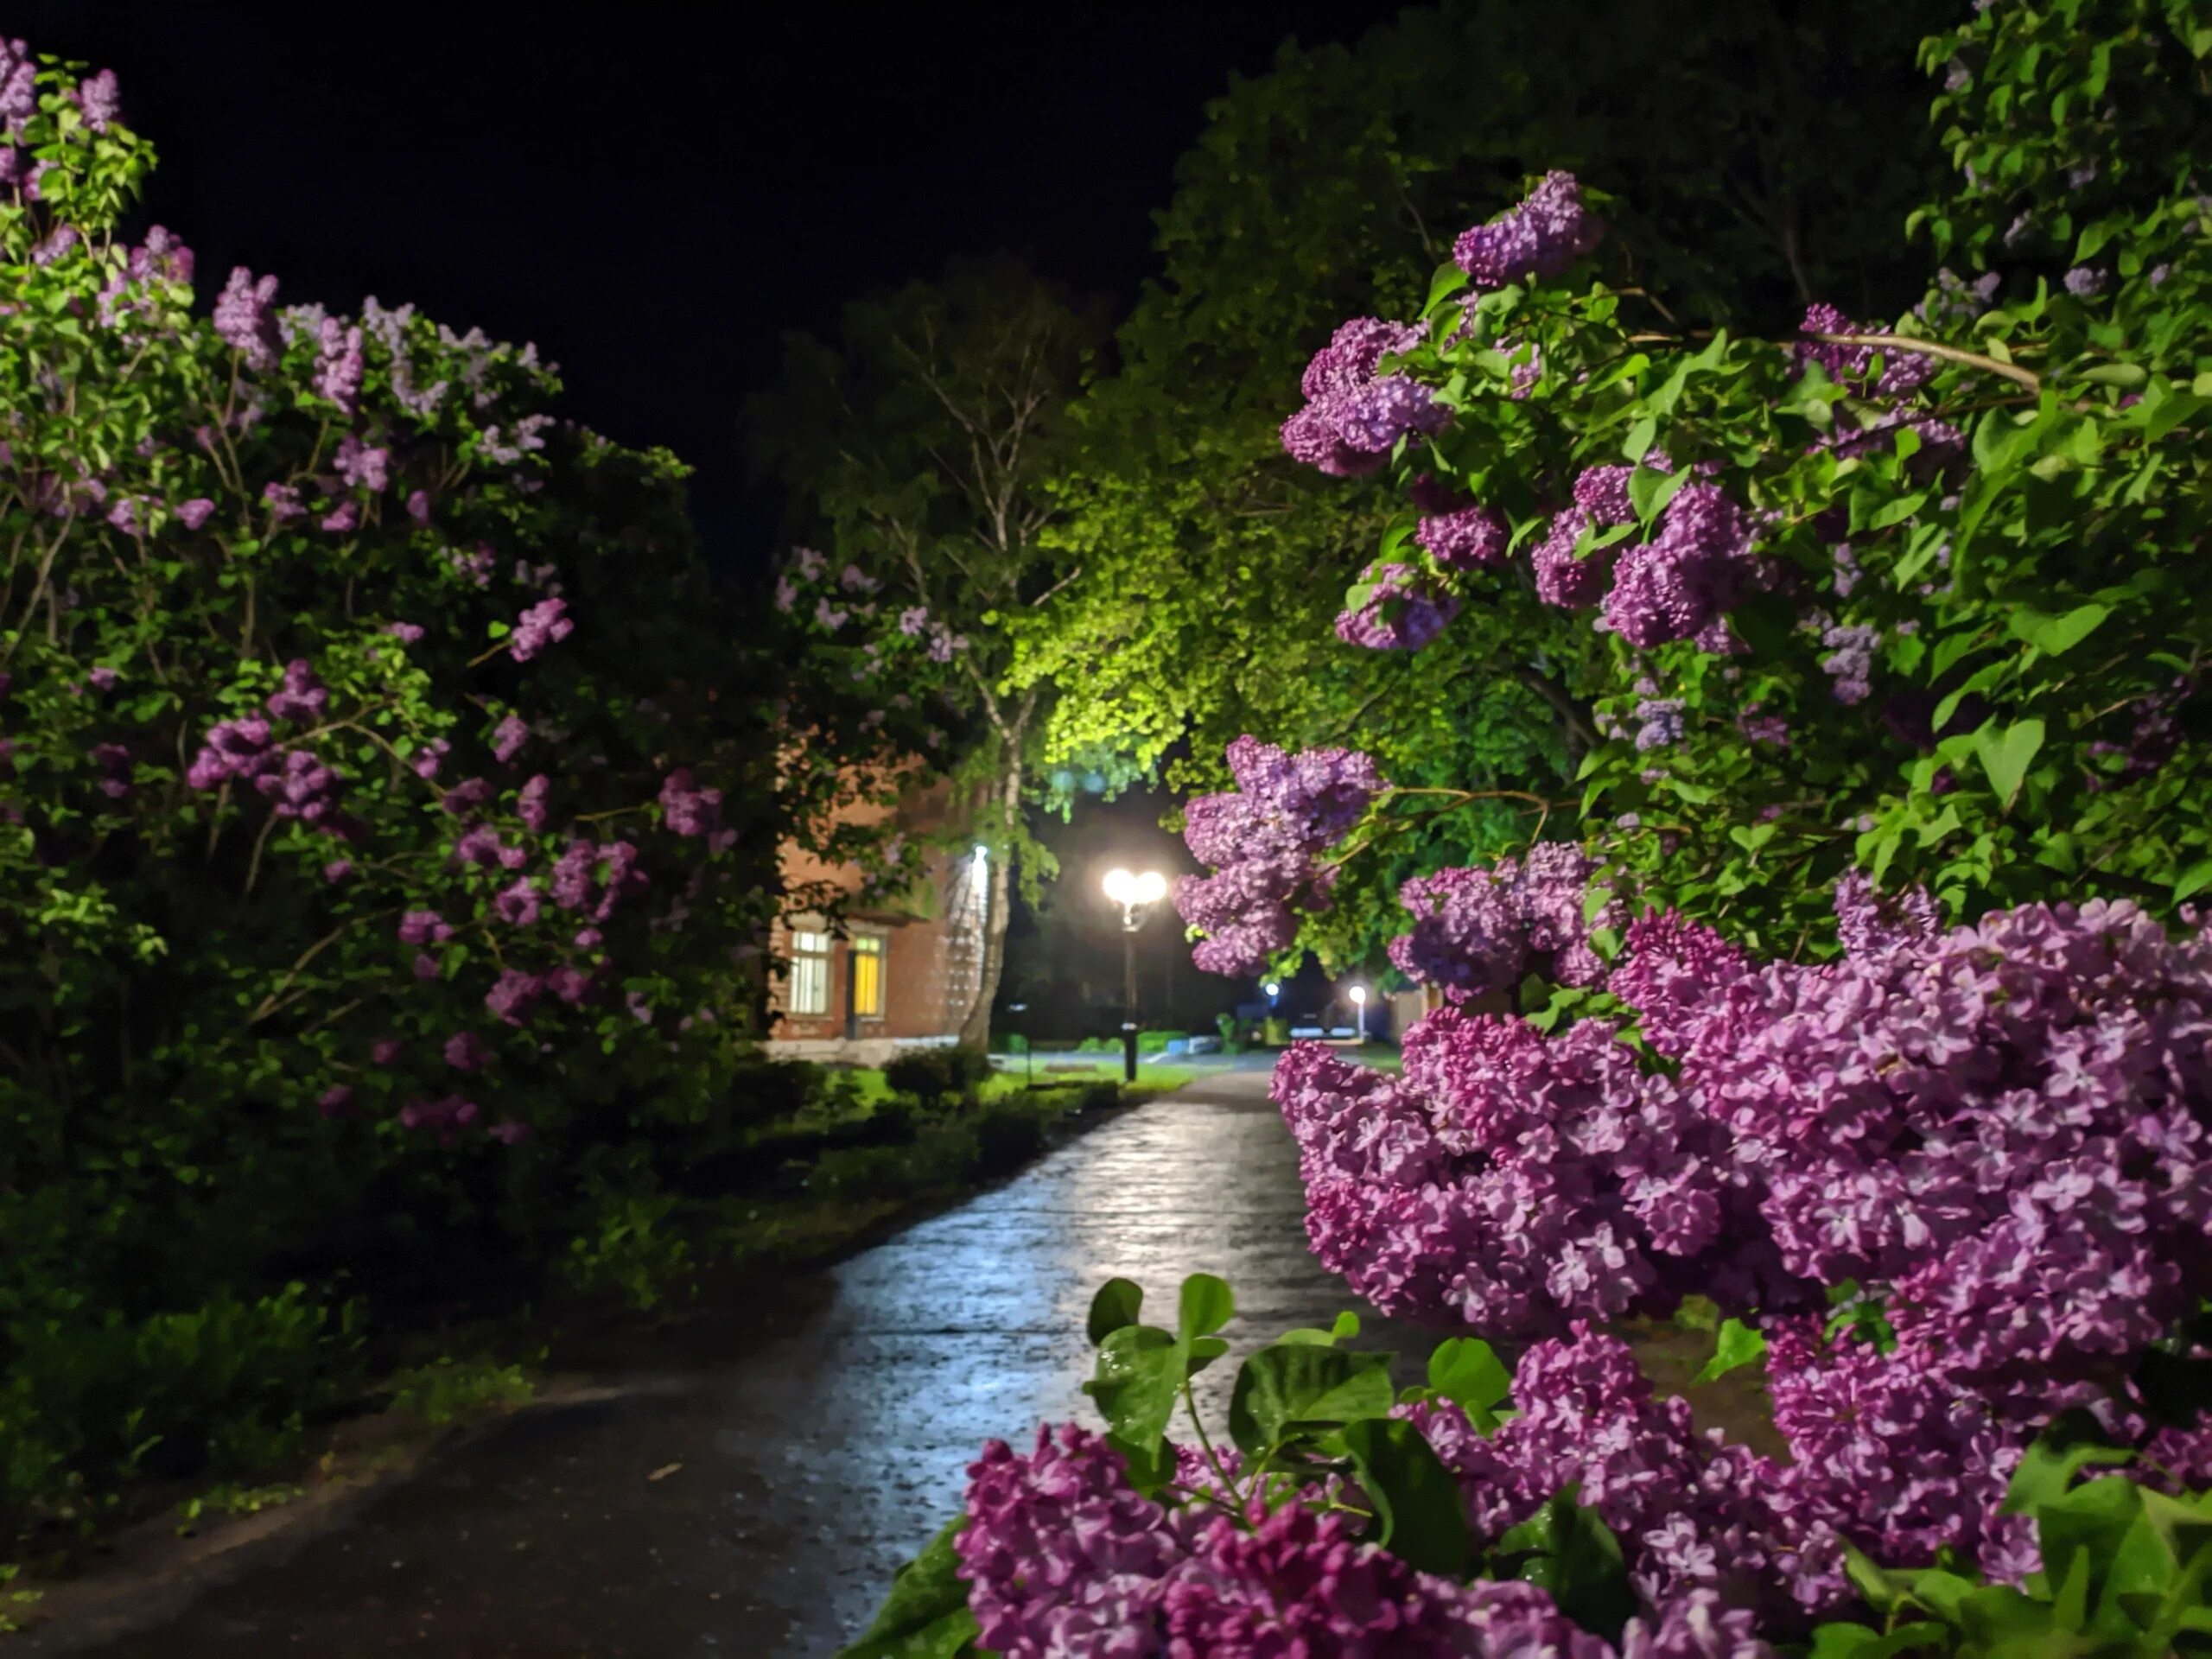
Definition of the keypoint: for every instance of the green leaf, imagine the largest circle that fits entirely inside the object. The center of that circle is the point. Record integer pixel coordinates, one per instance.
(1116, 1304)
(1468, 1372)
(2070, 1444)
(2194, 879)
(1139, 1379)
(2005, 755)
(925, 1616)
(1641, 437)
(1346, 1326)
(1149, 1468)
(1570, 1550)
(2057, 635)
(1448, 280)
(2125, 376)
(1858, 1641)
(1420, 1516)
(1651, 490)
(1739, 1344)
(1298, 1382)
(1206, 1306)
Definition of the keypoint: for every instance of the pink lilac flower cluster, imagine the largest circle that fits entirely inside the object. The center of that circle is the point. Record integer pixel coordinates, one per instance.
(2001, 1123)
(1353, 417)
(2001, 1126)
(1697, 1517)
(1465, 538)
(1852, 366)
(1261, 840)
(542, 625)
(1516, 1182)
(1540, 236)
(1064, 1557)
(1477, 930)
(1404, 610)
(687, 810)
(1601, 501)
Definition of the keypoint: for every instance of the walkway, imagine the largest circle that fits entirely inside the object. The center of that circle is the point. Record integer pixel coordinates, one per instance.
(756, 1507)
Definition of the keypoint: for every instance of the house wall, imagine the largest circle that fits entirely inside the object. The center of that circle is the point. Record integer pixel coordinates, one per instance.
(932, 954)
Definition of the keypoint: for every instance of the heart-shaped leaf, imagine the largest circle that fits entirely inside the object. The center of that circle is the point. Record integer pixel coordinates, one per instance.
(1288, 1383)
(1139, 1379)
(1206, 1306)
(1420, 1516)
(1116, 1304)
(1468, 1372)
(2005, 755)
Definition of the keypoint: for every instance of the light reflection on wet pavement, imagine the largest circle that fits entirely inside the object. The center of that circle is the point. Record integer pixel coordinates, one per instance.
(818, 1461)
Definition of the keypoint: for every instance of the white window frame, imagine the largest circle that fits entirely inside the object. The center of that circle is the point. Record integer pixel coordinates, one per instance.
(807, 995)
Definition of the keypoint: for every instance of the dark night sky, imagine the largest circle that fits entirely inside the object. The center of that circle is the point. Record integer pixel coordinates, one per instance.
(654, 197)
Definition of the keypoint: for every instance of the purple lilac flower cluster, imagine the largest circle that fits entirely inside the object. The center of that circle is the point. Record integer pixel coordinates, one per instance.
(1852, 366)
(1353, 417)
(1540, 236)
(1511, 1181)
(1403, 610)
(1062, 1556)
(1679, 584)
(1480, 931)
(1697, 1517)
(1850, 661)
(1261, 840)
(2001, 1126)
(542, 625)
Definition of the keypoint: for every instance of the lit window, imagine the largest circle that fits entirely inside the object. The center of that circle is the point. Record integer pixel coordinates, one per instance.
(867, 977)
(809, 992)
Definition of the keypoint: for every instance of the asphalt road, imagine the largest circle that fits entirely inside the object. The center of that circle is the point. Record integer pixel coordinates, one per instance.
(754, 1504)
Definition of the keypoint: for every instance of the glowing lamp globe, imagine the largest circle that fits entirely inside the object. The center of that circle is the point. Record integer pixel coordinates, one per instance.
(1128, 887)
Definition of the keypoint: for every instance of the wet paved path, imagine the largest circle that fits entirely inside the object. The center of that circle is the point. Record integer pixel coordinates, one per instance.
(818, 1460)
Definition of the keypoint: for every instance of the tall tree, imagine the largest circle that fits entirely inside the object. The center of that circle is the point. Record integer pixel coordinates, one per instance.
(1752, 157)
(916, 448)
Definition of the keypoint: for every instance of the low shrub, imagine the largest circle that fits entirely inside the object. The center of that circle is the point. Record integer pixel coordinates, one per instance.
(221, 1388)
(1008, 1133)
(931, 1074)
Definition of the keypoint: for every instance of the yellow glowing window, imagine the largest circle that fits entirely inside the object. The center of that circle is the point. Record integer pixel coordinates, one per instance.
(867, 977)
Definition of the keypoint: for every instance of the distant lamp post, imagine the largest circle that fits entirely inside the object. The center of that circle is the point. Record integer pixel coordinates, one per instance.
(1359, 1012)
(1028, 1045)
(1136, 894)
(1273, 990)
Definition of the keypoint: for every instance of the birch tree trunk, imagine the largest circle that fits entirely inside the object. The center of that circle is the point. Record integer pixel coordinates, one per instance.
(976, 1030)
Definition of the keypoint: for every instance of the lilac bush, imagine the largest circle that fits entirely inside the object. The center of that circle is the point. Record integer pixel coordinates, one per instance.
(291, 916)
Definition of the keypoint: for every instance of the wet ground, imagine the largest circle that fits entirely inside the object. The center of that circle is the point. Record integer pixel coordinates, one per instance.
(755, 1506)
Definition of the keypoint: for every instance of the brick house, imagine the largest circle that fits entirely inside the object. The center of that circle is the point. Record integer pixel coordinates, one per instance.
(903, 971)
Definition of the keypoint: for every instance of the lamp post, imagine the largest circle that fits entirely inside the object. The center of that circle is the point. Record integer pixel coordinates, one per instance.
(1359, 1013)
(1136, 894)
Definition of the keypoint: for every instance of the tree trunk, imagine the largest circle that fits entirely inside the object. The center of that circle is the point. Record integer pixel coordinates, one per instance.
(976, 1030)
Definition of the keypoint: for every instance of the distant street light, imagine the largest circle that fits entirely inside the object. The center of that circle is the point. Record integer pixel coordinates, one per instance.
(1359, 1012)
(1273, 990)
(1136, 894)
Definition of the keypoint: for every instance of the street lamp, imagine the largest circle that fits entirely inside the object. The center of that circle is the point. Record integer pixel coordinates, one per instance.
(1136, 894)
(1359, 1012)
